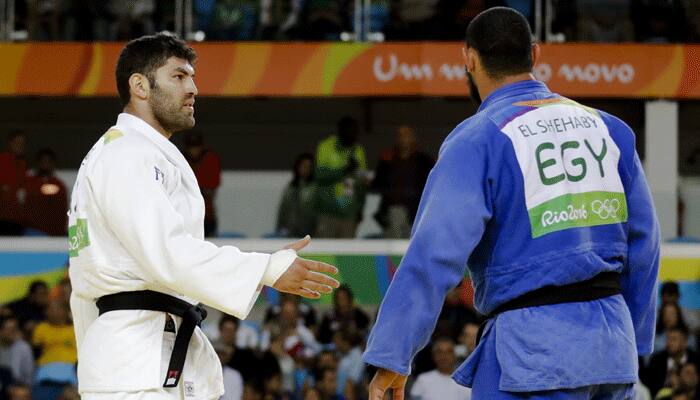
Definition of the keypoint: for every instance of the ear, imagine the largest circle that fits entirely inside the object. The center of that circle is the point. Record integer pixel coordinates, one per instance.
(139, 86)
(535, 53)
(469, 58)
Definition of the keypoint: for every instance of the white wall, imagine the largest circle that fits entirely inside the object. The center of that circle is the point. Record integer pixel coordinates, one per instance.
(248, 201)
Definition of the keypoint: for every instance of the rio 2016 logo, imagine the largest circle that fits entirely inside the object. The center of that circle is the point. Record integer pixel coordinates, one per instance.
(605, 209)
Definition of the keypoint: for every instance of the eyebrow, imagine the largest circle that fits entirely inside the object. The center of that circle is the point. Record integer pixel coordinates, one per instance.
(184, 71)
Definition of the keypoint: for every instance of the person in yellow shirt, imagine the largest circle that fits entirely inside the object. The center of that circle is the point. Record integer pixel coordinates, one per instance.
(54, 338)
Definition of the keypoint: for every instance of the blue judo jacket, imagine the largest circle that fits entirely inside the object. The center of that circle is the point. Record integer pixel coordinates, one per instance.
(533, 190)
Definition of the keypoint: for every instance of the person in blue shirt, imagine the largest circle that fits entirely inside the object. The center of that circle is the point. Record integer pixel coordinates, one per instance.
(545, 202)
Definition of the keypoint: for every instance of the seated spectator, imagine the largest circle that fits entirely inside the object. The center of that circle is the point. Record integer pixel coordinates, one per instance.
(689, 380)
(206, 165)
(438, 384)
(233, 382)
(351, 368)
(45, 20)
(54, 339)
(241, 358)
(344, 315)
(670, 293)
(234, 332)
(296, 216)
(661, 21)
(400, 178)
(604, 21)
(467, 341)
(327, 385)
(277, 360)
(46, 200)
(325, 19)
(31, 309)
(6, 381)
(291, 328)
(131, 18)
(656, 374)
(13, 170)
(670, 317)
(305, 311)
(234, 20)
(341, 178)
(280, 19)
(15, 353)
(20, 391)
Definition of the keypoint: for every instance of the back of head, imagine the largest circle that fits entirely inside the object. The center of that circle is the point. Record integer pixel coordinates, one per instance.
(503, 39)
(145, 55)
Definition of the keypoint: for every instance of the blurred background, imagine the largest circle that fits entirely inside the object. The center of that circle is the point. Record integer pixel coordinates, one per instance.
(278, 80)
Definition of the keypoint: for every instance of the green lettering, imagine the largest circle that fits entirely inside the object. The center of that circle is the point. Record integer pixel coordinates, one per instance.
(541, 165)
(578, 161)
(599, 157)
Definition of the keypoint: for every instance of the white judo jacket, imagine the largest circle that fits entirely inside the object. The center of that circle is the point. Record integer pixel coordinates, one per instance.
(136, 223)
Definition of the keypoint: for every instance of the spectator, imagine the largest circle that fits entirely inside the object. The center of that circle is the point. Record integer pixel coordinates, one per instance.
(44, 19)
(31, 309)
(234, 332)
(234, 19)
(344, 315)
(604, 21)
(70, 392)
(438, 384)
(233, 382)
(327, 385)
(689, 380)
(277, 359)
(306, 312)
(13, 170)
(241, 358)
(325, 19)
(656, 374)
(400, 177)
(312, 394)
(6, 381)
(46, 200)
(670, 293)
(296, 216)
(20, 391)
(279, 19)
(252, 390)
(341, 175)
(467, 341)
(207, 168)
(670, 316)
(15, 353)
(351, 368)
(291, 328)
(54, 339)
(132, 18)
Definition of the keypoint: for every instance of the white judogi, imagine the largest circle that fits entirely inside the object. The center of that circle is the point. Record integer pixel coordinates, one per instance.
(136, 223)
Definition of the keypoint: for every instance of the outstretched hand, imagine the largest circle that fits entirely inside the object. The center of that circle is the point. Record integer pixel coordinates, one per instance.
(306, 278)
(384, 380)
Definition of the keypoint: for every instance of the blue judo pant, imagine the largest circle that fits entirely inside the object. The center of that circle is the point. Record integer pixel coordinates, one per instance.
(488, 375)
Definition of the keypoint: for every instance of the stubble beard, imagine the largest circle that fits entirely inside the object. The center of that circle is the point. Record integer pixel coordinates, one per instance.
(473, 90)
(167, 110)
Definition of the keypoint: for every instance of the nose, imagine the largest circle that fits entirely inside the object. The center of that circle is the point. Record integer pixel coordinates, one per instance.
(192, 88)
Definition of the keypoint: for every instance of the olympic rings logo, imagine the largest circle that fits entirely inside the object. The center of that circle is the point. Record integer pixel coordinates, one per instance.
(605, 209)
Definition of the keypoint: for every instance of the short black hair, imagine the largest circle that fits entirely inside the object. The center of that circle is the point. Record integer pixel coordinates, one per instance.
(503, 39)
(228, 318)
(145, 55)
(36, 285)
(344, 288)
(670, 287)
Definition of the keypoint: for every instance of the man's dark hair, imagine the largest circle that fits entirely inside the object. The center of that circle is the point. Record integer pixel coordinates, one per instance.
(344, 288)
(145, 55)
(36, 285)
(503, 39)
(671, 288)
(228, 318)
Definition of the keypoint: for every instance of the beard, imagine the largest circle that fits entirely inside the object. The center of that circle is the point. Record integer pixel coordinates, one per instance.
(473, 90)
(168, 111)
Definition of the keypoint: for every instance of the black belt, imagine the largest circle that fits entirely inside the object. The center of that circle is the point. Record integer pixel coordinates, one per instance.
(604, 284)
(192, 315)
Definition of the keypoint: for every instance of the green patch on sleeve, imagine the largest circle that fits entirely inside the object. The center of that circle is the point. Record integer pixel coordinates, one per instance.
(78, 237)
(111, 136)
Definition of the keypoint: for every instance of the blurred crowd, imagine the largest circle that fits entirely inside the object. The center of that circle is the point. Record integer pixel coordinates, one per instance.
(299, 350)
(324, 198)
(578, 20)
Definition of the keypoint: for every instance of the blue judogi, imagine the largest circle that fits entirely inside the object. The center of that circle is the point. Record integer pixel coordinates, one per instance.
(533, 190)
